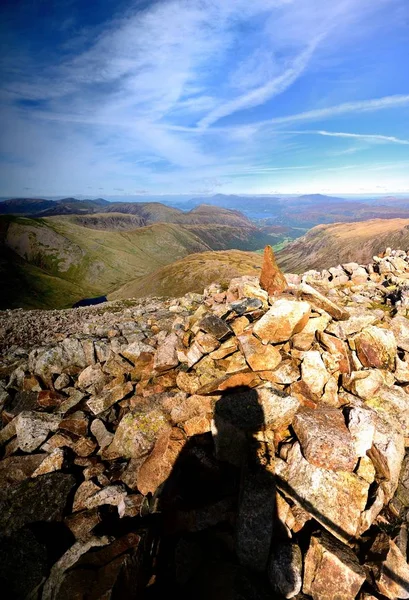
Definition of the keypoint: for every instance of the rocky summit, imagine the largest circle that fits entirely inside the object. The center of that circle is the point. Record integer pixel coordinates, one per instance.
(236, 444)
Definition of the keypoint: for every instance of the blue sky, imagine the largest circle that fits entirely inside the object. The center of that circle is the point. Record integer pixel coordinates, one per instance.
(204, 96)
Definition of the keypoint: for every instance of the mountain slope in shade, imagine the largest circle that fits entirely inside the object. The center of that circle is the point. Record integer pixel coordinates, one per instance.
(327, 245)
(192, 274)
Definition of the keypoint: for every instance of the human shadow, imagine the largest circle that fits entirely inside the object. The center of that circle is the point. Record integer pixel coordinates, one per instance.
(216, 523)
(215, 512)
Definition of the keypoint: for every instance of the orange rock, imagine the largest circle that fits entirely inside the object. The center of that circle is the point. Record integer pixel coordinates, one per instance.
(272, 278)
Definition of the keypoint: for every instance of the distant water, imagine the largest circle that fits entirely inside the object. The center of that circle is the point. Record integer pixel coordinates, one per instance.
(90, 301)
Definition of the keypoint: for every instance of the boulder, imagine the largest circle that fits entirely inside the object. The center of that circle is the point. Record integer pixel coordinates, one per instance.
(320, 301)
(313, 372)
(33, 428)
(282, 320)
(376, 347)
(337, 348)
(166, 356)
(159, 464)
(215, 326)
(335, 499)
(98, 404)
(259, 357)
(364, 384)
(324, 438)
(137, 433)
(331, 570)
(389, 567)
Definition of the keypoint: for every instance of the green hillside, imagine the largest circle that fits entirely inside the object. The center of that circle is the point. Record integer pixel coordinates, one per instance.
(53, 262)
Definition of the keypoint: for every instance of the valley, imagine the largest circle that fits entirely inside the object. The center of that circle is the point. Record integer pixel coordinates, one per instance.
(56, 253)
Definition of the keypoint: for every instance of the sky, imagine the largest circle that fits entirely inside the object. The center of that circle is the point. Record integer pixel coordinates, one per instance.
(131, 98)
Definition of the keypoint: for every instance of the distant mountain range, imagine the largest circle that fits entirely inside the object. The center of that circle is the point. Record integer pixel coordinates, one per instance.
(303, 211)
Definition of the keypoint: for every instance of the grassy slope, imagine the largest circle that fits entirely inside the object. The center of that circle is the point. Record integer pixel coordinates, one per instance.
(328, 245)
(192, 274)
(104, 260)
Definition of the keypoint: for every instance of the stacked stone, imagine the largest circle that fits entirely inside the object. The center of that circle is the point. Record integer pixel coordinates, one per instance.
(248, 431)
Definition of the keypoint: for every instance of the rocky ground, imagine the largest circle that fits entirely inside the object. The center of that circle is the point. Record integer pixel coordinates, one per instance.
(237, 444)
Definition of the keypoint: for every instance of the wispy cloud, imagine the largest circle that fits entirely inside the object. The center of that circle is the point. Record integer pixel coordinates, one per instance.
(367, 137)
(376, 104)
(265, 92)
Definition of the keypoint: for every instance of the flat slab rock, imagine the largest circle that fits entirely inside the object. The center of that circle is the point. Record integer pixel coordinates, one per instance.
(334, 499)
(284, 318)
(324, 438)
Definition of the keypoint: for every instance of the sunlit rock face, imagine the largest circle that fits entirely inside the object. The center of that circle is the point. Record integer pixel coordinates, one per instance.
(250, 440)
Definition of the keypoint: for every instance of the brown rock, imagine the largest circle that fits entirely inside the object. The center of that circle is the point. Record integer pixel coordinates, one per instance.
(76, 423)
(325, 439)
(240, 324)
(376, 347)
(206, 342)
(236, 363)
(227, 348)
(286, 373)
(84, 491)
(302, 392)
(320, 301)
(331, 570)
(271, 278)
(284, 318)
(159, 464)
(390, 568)
(84, 446)
(364, 384)
(303, 341)
(53, 462)
(82, 523)
(188, 382)
(243, 379)
(338, 348)
(92, 376)
(259, 357)
(197, 426)
(336, 499)
(49, 399)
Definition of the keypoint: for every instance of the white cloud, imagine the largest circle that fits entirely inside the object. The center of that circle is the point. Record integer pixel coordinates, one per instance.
(341, 109)
(367, 137)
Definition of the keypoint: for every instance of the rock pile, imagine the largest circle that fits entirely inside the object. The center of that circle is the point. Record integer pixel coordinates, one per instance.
(231, 445)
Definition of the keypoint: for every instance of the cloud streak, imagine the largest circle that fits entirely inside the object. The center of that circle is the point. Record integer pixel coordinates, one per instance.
(367, 137)
(265, 92)
(361, 106)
